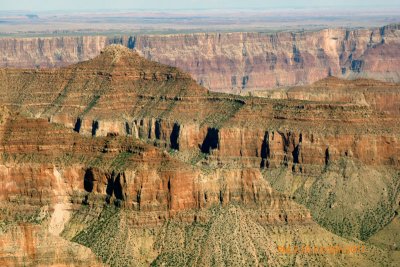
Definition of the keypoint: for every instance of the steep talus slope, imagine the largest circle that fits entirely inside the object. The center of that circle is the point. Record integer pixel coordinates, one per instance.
(347, 197)
(234, 235)
(234, 62)
(33, 245)
(136, 161)
(389, 238)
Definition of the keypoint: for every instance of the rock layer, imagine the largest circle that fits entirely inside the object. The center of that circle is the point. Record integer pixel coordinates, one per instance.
(145, 141)
(120, 93)
(234, 62)
(149, 182)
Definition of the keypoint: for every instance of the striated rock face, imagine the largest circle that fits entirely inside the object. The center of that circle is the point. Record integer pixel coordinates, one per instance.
(48, 173)
(381, 96)
(120, 93)
(148, 182)
(234, 62)
(119, 149)
(48, 52)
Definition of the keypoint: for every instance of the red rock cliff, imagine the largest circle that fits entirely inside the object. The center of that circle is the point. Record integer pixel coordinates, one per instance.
(234, 62)
(92, 134)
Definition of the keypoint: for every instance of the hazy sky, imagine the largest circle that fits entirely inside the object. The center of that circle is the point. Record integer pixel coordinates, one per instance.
(45, 5)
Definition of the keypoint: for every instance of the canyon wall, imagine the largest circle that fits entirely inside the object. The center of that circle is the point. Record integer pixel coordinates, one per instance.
(134, 160)
(234, 62)
(51, 166)
(381, 96)
(121, 93)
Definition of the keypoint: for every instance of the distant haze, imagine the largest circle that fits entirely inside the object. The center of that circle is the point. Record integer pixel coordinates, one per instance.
(47, 5)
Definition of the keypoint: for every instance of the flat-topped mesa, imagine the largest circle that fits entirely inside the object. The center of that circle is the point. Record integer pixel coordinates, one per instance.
(379, 95)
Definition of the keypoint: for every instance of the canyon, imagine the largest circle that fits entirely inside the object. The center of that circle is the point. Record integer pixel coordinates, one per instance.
(119, 161)
(233, 62)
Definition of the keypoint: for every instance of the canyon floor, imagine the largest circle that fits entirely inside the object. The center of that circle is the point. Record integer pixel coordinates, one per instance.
(123, 161)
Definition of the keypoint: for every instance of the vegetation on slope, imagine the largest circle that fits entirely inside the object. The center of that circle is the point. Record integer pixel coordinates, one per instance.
(347, 198)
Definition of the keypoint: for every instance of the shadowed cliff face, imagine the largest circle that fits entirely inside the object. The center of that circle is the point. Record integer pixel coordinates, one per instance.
(121, 93)
(136, 155)
(234, 62)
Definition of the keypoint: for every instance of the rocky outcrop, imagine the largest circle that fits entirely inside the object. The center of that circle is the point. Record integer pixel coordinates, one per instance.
(112, 95)
(136, 176)
(234, 62)
(381, 96)
(48, 173)
(131, 146)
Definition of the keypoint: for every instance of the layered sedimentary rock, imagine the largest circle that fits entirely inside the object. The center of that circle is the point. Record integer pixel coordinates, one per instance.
(234, 62)
(120, 93)
(48, 173)
(132, 146)
(381, 96)
(58, 165)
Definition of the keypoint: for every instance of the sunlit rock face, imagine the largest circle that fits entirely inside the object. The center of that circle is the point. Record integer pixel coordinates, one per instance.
(122, 153)
(234, 62)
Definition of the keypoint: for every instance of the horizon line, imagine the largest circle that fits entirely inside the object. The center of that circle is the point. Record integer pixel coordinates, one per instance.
(257, 9)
